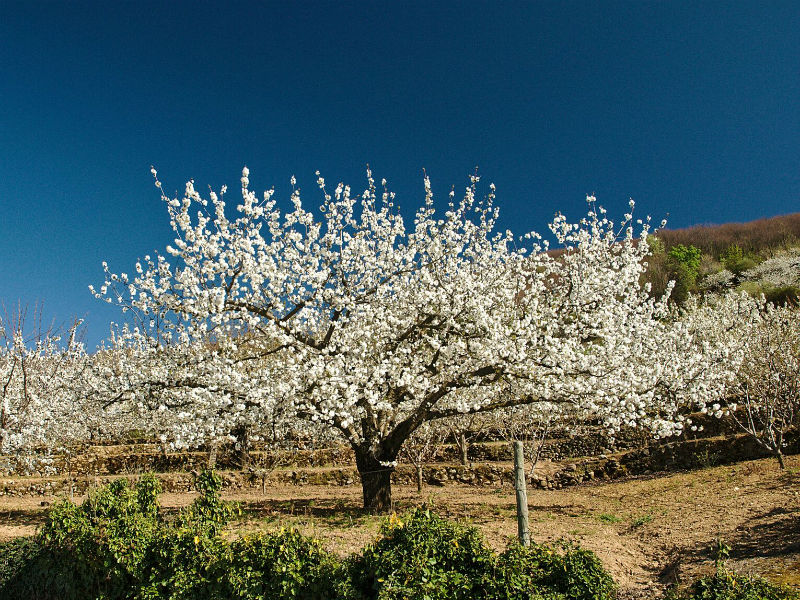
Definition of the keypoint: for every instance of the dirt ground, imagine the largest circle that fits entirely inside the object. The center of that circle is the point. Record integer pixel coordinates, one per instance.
(650, 532)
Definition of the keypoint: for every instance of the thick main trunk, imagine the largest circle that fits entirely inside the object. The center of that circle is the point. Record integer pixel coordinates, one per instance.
(419, 479)
(781, 462)
(376, 482)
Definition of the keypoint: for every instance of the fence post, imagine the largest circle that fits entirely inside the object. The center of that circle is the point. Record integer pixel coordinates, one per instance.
(522, 495)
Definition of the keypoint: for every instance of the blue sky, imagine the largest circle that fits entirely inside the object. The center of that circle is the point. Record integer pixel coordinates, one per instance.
(692, 109)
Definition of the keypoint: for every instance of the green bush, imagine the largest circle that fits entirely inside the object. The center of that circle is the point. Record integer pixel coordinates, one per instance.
(102, 542)
(421, 555)
(208, 511)
(680, 264)
(184, 564)
(188, 560)
(736, 261)
(115, 545)
(539, 572)
(29, 571)
(281, 565)
(689, 258)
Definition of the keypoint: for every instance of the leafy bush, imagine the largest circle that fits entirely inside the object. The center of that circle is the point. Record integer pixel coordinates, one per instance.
(188, 560)
(689, 258)
(184, 565)
(29, 571)
(103, 541)
(736, 261)
(680, 264)
(209, 511)
(115, 545)
(282, 565)
(539, 572)
(421, 555)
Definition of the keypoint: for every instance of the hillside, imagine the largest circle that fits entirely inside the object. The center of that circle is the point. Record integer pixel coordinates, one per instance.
(759, 257)
(762, 236)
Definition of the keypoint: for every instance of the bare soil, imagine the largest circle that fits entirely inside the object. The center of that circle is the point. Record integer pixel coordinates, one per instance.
(650, 532)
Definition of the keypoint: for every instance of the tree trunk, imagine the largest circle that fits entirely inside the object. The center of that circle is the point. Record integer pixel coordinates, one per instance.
(376, 483)
(419, 479)
(779, 456)
(463, 445)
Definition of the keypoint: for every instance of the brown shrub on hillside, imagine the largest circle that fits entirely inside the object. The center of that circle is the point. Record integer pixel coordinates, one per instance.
(761, 237)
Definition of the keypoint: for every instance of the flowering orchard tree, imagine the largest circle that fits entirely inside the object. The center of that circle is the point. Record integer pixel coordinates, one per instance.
(39, 409)
(377, 328)
(189, 393)
(767, 386)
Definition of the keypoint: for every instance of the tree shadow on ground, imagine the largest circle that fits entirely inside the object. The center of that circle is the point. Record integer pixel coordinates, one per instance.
(23, 517)
(772, 534)
(335, 512)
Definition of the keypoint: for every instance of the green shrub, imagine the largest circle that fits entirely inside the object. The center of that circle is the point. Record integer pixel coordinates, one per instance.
(736, 261)
(208, 511)
(102, 542)
(423, 556)
(580, 575)
(539, 572)
(680, 264)
(29, 571)
(281, 565)
(115, 545)
(184, 564)
(689, 258)
(188, 560)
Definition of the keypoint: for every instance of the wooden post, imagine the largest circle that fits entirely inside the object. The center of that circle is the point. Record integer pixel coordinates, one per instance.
(522, 495)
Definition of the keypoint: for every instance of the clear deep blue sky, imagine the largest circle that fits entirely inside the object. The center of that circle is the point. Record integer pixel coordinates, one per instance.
(692, 109)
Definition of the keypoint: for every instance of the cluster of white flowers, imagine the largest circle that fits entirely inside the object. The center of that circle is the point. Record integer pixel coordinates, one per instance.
(782, 269)
(779, 270)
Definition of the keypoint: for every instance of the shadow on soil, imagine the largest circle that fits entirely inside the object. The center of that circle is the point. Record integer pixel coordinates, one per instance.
(23, 517)
(769, 535)
(772, 534)
(335, 513)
